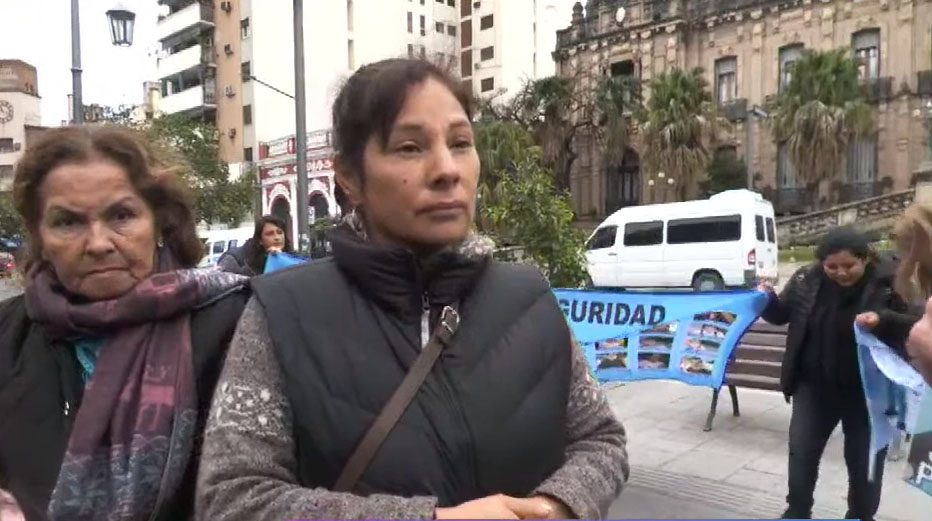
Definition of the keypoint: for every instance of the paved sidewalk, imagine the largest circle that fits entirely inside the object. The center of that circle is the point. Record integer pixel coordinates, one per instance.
(736, 471)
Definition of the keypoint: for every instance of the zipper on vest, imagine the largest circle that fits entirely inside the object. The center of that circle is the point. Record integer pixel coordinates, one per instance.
(425, 320)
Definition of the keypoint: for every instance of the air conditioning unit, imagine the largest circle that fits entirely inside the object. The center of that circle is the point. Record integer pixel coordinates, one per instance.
(228, 49)
(229, 92)
(232, 133)
(226, 6)
(476, 5)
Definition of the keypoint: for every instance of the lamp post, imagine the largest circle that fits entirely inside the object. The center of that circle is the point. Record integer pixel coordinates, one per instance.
(122, 22)
(753, 112)
(300, 104)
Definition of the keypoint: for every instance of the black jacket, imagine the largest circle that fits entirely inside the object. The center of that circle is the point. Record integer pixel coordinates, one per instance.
(796, 302)
(490, 418)
(37, 377)
(243, 260)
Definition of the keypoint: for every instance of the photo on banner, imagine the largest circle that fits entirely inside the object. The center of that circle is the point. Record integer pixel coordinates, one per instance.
(685, 336)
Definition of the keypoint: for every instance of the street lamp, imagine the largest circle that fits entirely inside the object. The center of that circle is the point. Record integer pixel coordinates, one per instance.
(753, 112)
(122, 21)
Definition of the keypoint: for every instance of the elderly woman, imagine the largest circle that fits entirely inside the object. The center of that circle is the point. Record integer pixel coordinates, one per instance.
(109, 359)
(409, 376)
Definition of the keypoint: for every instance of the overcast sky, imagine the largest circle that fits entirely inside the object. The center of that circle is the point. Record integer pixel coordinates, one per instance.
(39, 33)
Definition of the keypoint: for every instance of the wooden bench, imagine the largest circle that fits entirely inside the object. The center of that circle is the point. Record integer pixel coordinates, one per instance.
(755, 364)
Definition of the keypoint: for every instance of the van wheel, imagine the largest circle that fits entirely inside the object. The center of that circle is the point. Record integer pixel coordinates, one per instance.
(708, 281)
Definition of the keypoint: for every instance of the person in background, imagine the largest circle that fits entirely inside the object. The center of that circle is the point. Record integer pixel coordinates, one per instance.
(249, 259)
(508, 423)
(913, 236)
(109, 360)
(820, 368)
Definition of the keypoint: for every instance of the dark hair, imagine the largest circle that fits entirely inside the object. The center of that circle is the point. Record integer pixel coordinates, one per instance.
(370, 100)
(150, 171)
(844, 238)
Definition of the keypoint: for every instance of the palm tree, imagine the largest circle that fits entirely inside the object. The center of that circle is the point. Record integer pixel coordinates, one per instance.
(823, 107)
(678, 123)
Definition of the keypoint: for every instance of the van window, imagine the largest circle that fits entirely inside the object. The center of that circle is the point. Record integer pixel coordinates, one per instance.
(644, 234)
(232, 244)
(759, 226)
(771, 231)
(218, 247)
(704, 229)
(603, 238)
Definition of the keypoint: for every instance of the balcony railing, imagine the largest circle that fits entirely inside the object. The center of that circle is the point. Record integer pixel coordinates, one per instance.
(735, 110)
(198, 14)
(871, 213)
(852, 192)
(191, 100)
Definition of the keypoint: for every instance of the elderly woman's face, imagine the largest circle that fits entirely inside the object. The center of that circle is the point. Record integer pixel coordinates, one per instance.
(420, 189)
(95, 229)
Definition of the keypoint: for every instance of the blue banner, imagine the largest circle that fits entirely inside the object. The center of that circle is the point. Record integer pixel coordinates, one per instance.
(920, 453)
(279, 260)
(660, 335)
(890, 385)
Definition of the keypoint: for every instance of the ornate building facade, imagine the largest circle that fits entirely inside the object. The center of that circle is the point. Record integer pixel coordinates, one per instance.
(746, 49)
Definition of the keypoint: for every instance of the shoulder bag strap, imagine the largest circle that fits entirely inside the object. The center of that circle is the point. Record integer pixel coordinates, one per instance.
(359, 461)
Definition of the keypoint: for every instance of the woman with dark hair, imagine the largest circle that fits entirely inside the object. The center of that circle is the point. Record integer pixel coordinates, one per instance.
(820, 368)
(249, 259)
(109, 359)
(409, 375)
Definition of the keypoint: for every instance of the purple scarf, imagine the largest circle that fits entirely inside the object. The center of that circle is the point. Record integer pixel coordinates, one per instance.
(134, 432)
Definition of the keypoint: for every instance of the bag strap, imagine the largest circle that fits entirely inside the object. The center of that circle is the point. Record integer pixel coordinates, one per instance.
(388, 417)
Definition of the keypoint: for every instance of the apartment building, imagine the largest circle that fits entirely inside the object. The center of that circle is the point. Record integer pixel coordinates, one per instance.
(199, 67)
(19, 112)
(747, 49)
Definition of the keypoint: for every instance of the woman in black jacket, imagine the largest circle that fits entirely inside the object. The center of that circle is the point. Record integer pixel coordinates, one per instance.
(249, 259)
(109, 360)
(820, 368)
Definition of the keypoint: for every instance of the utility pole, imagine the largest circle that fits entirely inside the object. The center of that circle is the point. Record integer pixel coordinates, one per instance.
(77, 101)
(300, 103)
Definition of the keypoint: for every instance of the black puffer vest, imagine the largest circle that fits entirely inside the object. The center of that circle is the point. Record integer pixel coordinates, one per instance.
(491, 417)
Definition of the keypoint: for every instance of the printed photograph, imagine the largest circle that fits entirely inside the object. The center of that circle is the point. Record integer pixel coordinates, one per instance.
(707, 330)
(611, 361)
(696, 365)
(653, 361)
(656, 342)
(722, 317)
(665, 328)
(612, 343)
(702, 345)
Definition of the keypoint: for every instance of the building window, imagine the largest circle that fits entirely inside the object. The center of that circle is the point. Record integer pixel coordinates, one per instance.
(861, 166)
(410, 22)
(866, 45)
(439, 27)
(487, 53)
(423, 25)
(247, 114)
(786, 170)
(451, 3)
(247, 154)
(350, 54)
(6, 174)
(410, 50)
(466, 64)
(726, 80)
(422, 2)
(451, 30)
(6, 145)
(789, 55)
(486, 22)
(466, 34)
(246, 70)
(487, 84)
(244, 28)
(465, 8)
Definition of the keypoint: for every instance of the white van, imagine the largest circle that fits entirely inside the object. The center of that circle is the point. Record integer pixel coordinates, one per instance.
(218, 242)
(728, 240)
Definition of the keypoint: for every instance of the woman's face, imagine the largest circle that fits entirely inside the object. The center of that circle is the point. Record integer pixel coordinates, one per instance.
(844, 268)
(95, 229)
(419, 191)
(272, 236)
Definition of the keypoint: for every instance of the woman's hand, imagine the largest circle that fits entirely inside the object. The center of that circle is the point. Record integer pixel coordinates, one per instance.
(868, 320)
(500, 506)
(9, 508)
(766, 287)
(557, 509)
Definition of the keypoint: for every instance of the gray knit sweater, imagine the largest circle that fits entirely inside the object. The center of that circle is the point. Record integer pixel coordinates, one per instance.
(248, 466)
